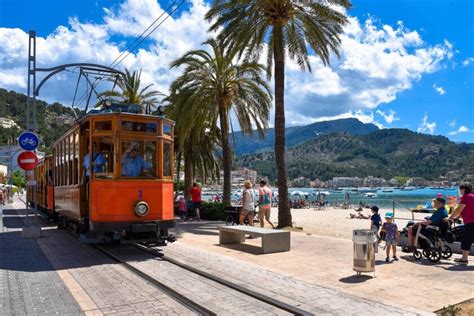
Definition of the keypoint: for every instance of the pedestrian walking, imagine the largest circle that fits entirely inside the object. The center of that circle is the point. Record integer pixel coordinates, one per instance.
(375, 222)
(264, 203)
(182, 208)
(465, 210)
(392, 236)
(196, 199)
(248, 203)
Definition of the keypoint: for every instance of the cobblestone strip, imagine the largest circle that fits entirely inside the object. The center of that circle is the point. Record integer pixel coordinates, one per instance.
(216, 297)
(29, 285)
(111, 287)
(82, 298)
(308, 296)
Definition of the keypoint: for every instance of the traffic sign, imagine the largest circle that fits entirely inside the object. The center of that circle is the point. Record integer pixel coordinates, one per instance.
(31, 183)
(28, 141)
(27, 160)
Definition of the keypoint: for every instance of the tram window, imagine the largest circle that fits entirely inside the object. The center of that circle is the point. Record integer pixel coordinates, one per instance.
(167, 159)
(166, 129)
(103, 157)
(103, 126)
(138, 159)
(130, 126)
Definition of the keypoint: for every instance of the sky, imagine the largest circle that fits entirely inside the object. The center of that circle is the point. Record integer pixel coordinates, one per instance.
(403, 63)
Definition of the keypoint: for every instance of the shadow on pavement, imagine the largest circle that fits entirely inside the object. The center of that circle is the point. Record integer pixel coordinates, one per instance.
(198, 228)
(251, 249)
(353, 279)
(14, 212)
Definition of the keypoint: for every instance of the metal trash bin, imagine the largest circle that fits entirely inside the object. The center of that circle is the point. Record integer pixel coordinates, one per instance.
(364, 241)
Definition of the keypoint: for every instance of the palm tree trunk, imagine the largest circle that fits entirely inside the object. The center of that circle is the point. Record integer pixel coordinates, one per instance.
(188, 176)
(226, 154)
(284, 213)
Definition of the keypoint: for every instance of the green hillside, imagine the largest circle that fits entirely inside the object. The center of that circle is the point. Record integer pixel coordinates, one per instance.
(385, 153)
(13, 106)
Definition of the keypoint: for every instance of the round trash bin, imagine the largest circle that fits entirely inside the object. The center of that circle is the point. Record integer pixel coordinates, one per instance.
(364, 241)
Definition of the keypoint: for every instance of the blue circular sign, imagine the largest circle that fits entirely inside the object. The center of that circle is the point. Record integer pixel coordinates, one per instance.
(28, 141)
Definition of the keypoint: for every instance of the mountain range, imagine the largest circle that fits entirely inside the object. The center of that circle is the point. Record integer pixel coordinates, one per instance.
(246, 144)
(384, 153)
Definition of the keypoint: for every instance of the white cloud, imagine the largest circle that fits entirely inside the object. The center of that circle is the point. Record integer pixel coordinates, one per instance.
(425, 126)
(378, 61)
(102, 43)
(388, 116)
(440, 90)
(467, 61)
(461, 129)
(452, 123)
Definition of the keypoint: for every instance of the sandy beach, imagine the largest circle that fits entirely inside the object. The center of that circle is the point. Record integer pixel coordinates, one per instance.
(335, 222)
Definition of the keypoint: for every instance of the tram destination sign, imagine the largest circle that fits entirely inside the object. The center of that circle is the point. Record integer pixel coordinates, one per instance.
(28, 141)
(27, 160)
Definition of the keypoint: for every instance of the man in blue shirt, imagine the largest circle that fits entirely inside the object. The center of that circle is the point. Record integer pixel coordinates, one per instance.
(98, 161)
(435, 220)
(133, 165)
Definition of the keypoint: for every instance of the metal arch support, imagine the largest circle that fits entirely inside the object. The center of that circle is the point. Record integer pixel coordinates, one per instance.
(58, 69)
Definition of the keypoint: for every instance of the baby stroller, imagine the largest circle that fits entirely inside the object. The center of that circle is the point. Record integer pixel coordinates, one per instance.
(432, 242)
(232, 216)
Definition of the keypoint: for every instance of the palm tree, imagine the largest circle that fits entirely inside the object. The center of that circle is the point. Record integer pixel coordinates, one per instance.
(194, 146)
(288, 27)
(212, 87)
(131, 92)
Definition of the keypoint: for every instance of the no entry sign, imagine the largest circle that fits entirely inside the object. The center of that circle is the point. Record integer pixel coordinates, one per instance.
(27, 160)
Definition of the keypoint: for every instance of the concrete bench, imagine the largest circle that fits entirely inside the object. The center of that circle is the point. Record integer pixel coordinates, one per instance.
(272, 240)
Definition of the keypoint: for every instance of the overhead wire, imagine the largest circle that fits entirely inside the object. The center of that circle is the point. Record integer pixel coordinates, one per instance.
(134, 45)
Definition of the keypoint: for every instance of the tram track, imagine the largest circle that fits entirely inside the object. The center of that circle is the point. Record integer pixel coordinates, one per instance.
(188, 303)
(255, 295)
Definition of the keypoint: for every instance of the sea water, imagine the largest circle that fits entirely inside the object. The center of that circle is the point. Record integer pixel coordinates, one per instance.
(403, 199)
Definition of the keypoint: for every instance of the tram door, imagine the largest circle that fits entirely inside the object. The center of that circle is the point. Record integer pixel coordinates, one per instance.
(83, 149)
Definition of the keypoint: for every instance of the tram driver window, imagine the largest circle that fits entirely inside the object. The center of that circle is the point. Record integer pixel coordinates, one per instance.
(143, 127)
(138, 159)
(103, 153)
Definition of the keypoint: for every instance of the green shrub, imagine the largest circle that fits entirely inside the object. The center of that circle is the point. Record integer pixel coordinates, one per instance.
(213, 211)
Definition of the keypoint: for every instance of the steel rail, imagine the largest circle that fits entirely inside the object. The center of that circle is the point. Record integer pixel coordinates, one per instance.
(258, 296)
(201, 310)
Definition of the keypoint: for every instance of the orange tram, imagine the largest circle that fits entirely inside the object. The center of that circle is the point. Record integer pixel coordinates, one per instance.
(110, 178)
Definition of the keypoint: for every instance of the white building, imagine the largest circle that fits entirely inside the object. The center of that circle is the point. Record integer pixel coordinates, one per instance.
(7, 123)
(345, 182)
(416, 182)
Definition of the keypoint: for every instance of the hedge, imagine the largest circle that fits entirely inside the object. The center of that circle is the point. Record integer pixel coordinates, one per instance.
(213, 211)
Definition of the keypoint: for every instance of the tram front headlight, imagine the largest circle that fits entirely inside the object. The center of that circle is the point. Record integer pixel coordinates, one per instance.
(141, 208)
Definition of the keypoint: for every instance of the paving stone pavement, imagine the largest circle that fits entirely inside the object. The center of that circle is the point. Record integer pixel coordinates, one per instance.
(28, 283)
(216, 297)
(311, 297)
(113, 289)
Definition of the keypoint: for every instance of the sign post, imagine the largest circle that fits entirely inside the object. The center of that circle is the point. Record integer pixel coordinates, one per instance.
(27, 160)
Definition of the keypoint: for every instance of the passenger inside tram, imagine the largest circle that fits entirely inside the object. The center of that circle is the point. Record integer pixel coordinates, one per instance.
(134, 165)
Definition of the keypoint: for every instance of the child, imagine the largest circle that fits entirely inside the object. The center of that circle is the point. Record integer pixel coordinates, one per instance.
(375, 222)
(392, 236)
(182, 208)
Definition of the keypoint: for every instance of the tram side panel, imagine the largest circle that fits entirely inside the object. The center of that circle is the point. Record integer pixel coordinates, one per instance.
(67, 201)
(115, 201)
